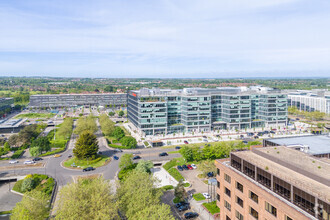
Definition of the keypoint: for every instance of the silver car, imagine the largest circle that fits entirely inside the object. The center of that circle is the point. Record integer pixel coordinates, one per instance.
(13, 161)
(29, 162)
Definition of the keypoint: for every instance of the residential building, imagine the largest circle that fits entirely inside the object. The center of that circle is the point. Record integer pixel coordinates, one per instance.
(72, 100)
(164, 111)
(273, 183)
(315, 145)
(310, 100)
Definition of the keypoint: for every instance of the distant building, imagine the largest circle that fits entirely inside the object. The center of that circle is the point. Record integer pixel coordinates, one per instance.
(72, 100)
(310, 100)
(164, 111)
(315, 145)
(273, 183)
(5, 103)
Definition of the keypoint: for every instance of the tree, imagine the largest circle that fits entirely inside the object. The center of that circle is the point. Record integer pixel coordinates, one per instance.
(13, 140)
(28, 184)
(107, 126)
(138, 186)
(180, 191)
(29, 133)
(86, 146)
(118, 133)
(144, 166)
(187, 153)
(87, 199)
(111, 114)
(35, 151)
(155, 212)
(43, 143)
(207, 166)
(128, 142)
(86, 124)
(121, 113)
(126, 161)
(6, 146)
(34, 206)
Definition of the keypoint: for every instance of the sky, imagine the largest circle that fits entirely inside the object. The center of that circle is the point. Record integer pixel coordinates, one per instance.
(165, 38)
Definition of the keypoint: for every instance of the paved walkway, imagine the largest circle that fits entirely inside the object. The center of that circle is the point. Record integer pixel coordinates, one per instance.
(8, 199)
(164, 177)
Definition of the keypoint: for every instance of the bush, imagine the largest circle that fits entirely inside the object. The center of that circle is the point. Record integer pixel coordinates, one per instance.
(18, 185)
(28, 184)
(167, 187)
(128, 142)
(123, 173)
(212, 207)
(175, 174)
(17, 154)
(176, 200)
(60, 150)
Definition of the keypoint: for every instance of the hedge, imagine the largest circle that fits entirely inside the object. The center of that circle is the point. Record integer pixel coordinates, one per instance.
(60, 150)
(17, 154)
(170, 164)
(167, 187)
(175, 174)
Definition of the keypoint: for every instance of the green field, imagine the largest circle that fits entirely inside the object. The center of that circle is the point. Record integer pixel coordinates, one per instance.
(35, 115)
(98, 162)
(198, 197)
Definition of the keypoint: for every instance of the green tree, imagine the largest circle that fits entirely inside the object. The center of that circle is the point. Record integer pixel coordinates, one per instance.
(86, 146)
(126, 161)
(87, 199)
(111, 114)
(144, 166)
(107, 126)
(28, 184)
(128, 142)
(138, 186)
(207, 166)
(86, 124)
(121, 113)
(187, 153)
(35, 151)
(14, 141)
(118, 133)
(180, 191)
(6, 146)
(155, 212)
(43, 143)
(34, 206)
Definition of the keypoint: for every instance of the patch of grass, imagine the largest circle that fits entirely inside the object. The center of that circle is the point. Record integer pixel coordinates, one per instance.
(146, 143)
(125, 131)
(173, 152)
(98, 162)
(201, 176)
(60, 150)
(198, 197)
(175, 174)
(167, 187)
(35, 115)
(176, 200)
(170, 164)
(212, 207)
(17, 154)
(5, 212)
(186, 184)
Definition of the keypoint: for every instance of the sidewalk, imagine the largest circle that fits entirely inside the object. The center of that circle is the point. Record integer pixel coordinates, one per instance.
(197, 207)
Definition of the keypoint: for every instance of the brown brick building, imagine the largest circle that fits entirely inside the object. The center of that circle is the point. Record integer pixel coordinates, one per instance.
(273, 183)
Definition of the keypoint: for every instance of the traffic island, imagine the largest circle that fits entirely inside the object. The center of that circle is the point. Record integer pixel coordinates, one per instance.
(75, 163)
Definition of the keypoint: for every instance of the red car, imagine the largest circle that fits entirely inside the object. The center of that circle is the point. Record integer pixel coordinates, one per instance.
(186, 142)
(190, 167)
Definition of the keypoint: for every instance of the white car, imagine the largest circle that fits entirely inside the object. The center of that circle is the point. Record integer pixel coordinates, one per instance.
(13, 161)
(29, 162)
(206, 195)
(194, 166)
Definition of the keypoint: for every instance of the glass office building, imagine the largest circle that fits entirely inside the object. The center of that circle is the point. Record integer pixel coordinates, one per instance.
(165, 111)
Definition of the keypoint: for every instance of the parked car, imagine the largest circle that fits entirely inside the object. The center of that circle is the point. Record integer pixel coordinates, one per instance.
(297, 119)
(250, 134)
(163, 154)
(206, 195)
(245, 142)
(266, 132)
(181, 204)
(184, 208)
(13, 161)
(190, 215)
(205, 140)
(115, 157)
(194, 166)
(260, 133)
(256, 137)
(185, 167)
(57, 155)
(88, 169)
(70, 156)
(37, 159)
(205, 137)
(118, 150)
(29, 162)
(210, 174)
(190, 167)
(100, 152)
(186, 142)
(241, 136)
(272, 132)
(136, 157)
(180, 168)
(178, 147)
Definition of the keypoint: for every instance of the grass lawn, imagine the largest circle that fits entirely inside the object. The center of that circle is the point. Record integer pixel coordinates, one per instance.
(198, 197)
(175, 174)
(176, 200)
(35, 115)
(186, 184)
(98, 162)
(212, 207)
(173, 152)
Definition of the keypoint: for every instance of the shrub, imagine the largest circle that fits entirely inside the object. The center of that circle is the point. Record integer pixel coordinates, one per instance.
(167, 187)
(175, 174)
(17, 154)
(176, 200)
(170, 164)
(128, 142)
(212, 207)
(28, 184)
